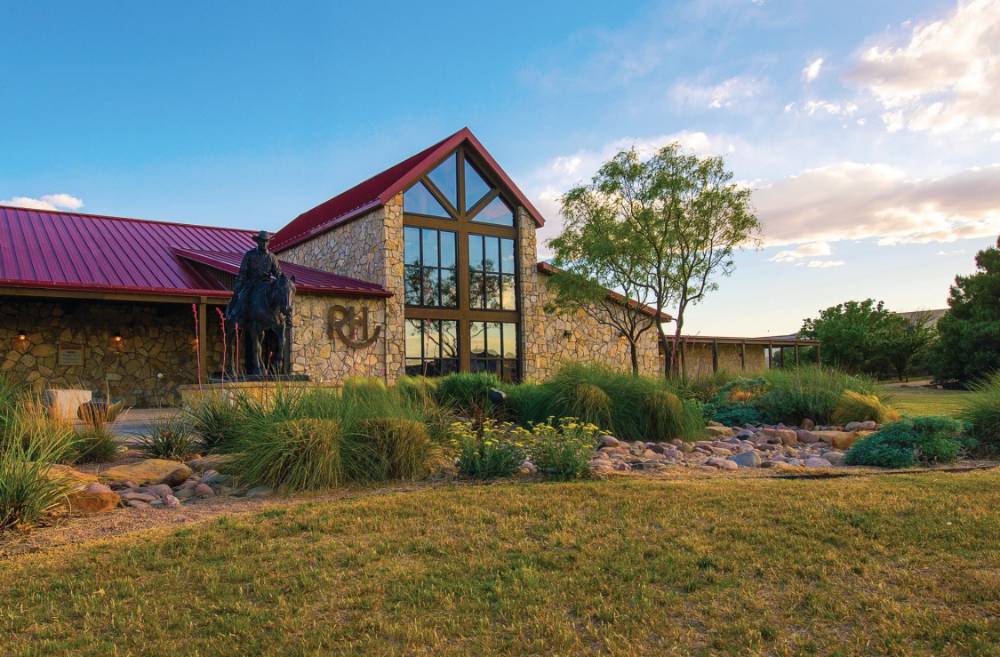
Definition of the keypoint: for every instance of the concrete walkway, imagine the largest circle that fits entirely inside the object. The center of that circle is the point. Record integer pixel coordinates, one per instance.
(138, 420)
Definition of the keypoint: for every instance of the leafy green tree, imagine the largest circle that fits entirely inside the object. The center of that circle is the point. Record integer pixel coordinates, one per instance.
(595, 255)
(968, 348)
(900, 344)
(675, 218)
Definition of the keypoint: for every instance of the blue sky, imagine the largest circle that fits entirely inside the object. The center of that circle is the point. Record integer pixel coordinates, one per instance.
(871, 131)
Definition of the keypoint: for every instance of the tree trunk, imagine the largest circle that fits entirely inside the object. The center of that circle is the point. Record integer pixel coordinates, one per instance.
(634, 354)
(678, 364)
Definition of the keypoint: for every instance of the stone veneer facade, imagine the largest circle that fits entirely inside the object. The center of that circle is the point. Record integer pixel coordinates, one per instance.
(156, 354)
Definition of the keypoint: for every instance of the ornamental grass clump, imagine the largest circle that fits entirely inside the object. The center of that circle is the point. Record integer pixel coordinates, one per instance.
(468, 393)
(666, 417)
(293, 455)
(859, 407)
(171, 438)
(982, 413)
(588, 403)
(794, 394)
(218, 423)
(96, 445)
(562, 450)
(488, 450)
(401, 446)
(906, 442)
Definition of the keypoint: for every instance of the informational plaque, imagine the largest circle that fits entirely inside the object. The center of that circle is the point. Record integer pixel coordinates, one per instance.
(70, 354)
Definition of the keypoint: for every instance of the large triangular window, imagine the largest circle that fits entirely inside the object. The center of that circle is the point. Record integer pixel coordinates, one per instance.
(497, 213)
(419, 200)
(475, 187)
(445, 178)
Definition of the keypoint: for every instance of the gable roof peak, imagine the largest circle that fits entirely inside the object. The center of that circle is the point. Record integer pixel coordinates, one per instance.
(378, 190)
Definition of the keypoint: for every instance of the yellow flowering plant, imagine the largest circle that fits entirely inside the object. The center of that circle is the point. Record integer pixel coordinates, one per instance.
(562, 448)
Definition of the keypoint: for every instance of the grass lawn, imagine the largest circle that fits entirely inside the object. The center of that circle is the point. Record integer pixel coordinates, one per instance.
(926, 401)
(901, 565)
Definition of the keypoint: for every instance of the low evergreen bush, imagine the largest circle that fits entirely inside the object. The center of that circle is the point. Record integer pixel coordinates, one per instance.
(982, 413)
(733, 403)
(903, 443)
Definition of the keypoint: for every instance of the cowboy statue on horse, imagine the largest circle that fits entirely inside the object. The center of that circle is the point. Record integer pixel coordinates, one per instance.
(260, 312)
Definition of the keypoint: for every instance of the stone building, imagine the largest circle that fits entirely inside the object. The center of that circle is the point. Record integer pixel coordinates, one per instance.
(428, 267)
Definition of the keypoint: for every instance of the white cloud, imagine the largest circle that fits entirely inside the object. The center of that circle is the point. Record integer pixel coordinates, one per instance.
(875, 201)
(51, 202)
(811, 72)
(944, 78)
(824, 264)
(732, 92)
(809, 249)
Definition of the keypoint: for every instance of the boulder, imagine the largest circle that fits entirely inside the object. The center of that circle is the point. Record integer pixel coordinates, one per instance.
(721, 463)
(210, 462)
(746, 459)
(835, 458)
(72, 475)
(817, 462)
(867, 425)
(718, 431)
(93, 498)
(808, 424)
(160, 490)
(150, 471)
(609, 441)
(171, 502)
(135, 496)
(837, 439)
(783, 436)
(204, 490)
(806, 436)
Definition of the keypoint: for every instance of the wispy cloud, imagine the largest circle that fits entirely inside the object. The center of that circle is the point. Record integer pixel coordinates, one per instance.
(943, 77)
(812, 70)
(48, 202)
(810, 249)
(732, 92)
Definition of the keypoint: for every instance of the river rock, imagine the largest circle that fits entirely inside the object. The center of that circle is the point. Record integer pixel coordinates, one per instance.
(749, 459)
(93, 498)
(149, 471)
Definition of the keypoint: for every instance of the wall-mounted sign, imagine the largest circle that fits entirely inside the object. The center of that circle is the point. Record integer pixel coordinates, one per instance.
(70, 354)
(351, 326)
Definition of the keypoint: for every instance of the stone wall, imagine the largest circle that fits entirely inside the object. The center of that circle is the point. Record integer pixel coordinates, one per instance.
(156, 354)
(369, 248)
(325, 357)
(552, 339)
(698, 359)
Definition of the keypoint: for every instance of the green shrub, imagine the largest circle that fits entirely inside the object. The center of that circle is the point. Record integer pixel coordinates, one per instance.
(794, 394)
(96, 446)
(563, 451)
(706, 388)
(586, 402)
(28, 490)
(168, 438)
(982, 413)
(733, 403)
(468, 392)
(859, 407)
(292, 455)
(487, 451)
(218, 423)
(529, 402)
(420, 391)
(903, 443)
(402, 446)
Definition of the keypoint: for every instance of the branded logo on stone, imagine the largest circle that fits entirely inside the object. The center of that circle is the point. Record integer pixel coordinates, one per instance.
(352, 327)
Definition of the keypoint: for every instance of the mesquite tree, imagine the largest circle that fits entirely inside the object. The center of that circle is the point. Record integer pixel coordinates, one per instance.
(676, 218)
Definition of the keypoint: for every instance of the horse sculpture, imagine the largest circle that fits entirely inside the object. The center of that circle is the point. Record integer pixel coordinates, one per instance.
(264, 328)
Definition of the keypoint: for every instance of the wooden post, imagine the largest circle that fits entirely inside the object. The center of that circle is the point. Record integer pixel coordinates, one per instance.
(203, 340)
(818, 361)
(743, 356)
(715, 356)
(796, 354)
(770, 356)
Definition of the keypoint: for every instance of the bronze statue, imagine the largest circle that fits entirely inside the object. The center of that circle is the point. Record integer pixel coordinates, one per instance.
(260, 312)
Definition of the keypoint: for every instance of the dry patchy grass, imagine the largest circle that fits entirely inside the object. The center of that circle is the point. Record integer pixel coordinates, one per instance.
(905, 565)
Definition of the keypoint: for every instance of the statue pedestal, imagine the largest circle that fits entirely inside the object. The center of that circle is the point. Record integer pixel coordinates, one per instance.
(261, 390)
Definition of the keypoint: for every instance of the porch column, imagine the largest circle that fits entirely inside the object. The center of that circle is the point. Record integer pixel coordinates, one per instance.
(202, 340)
(796, 354)
(715, 356)
(743, 356)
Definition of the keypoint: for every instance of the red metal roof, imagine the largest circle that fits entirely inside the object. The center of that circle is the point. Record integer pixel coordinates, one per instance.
(550, 270)
(307, 279)
(380, 188)
(94, 253)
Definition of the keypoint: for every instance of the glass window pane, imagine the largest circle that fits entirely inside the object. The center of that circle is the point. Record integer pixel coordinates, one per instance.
(477, 298)
(449, 339)
(432, 339)
(447, 240)
(414, 367)
(508, 289)
(507, 256)
(477, 338)
(431, 286)
(493, 338)
(509, 340)
(449, 288)
(493, 292)
(509, 373)
(445, 178)
(411, 285)
(492, 255)
(475, 187)
(413, 338)
(497, 213)
(418, 200)
(449, 366)
(476, 252)
(411, 251)
(430, 247)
